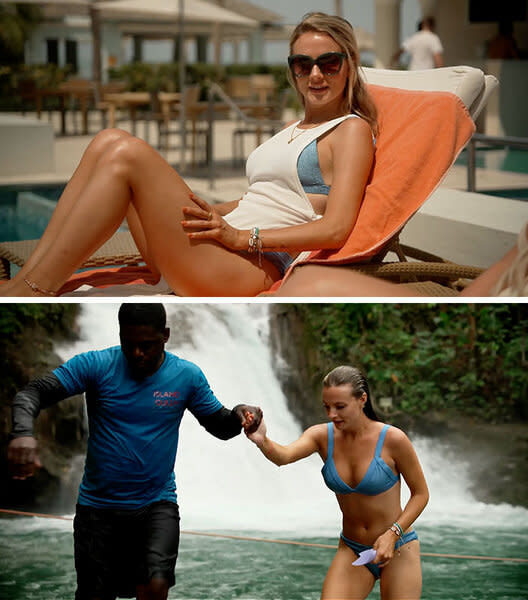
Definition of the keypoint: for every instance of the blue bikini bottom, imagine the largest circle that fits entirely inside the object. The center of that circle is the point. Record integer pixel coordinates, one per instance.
(375, 569)
(282, 260)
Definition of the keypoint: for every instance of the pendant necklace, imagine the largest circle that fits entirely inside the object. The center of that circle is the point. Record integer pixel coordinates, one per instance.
(301, 131)
(294, 137)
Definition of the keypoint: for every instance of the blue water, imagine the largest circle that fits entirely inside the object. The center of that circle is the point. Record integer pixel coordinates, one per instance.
(500, 159)
(37, 564)
(25, 211)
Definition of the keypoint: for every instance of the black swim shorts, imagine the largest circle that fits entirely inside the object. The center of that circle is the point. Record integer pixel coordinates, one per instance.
(117, 549)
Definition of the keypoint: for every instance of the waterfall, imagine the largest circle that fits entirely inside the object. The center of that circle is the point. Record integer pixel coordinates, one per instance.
(229, 485)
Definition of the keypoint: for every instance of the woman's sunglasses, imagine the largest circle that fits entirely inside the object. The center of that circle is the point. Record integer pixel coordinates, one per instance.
(328, 63)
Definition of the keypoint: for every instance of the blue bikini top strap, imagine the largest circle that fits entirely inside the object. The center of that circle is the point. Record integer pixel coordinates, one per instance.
(330, 449)
(381, 439)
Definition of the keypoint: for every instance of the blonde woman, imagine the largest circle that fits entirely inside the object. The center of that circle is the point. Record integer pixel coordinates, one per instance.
(364, 461)
(304, 191)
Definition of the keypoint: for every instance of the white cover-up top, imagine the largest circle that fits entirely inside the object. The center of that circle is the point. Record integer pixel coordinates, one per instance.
(275, 197)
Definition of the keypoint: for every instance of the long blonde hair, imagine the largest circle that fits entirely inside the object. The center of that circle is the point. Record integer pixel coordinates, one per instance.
(357, 98)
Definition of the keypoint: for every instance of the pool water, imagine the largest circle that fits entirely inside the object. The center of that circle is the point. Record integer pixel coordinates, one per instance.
(25, 212)
(500, 159)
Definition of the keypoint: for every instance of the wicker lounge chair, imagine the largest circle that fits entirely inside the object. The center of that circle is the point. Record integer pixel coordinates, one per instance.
(120, 249)
(466, 88)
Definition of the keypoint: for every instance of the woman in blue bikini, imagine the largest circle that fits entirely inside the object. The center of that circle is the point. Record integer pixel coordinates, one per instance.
(364, 461)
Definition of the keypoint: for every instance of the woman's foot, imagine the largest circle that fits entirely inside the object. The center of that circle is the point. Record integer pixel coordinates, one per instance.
(24, 287)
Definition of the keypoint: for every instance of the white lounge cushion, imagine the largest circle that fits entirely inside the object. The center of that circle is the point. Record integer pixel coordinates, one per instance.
(471, 85)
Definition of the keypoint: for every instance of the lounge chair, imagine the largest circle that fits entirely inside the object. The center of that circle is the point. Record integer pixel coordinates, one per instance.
(426, 118)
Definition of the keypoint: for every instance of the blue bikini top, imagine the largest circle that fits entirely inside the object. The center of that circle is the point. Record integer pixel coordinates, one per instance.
(310, 172)
(379, 476)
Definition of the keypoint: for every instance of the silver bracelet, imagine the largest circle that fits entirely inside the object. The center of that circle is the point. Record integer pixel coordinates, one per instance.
(255, 243)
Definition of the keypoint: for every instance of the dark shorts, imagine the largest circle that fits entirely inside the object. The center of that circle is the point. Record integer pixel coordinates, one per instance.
(117, 549)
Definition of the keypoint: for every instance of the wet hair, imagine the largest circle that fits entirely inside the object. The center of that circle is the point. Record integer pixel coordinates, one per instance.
(356, 97)
(352, 376)
(152, 315)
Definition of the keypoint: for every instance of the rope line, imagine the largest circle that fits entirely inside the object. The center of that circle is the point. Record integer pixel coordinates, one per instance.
(275, 541)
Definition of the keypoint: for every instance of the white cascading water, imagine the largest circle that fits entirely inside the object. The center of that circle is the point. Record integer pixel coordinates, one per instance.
(229, 485)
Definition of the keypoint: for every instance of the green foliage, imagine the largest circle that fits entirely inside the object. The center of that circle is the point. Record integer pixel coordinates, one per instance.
(465, 357)
(16, 23)
(137, 76)
(53, 318)
(13, 77)
(165, 77)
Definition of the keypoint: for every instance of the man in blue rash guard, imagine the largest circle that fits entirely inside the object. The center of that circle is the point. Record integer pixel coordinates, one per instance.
(126, 527)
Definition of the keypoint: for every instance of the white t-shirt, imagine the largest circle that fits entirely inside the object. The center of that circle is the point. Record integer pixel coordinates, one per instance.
(422, 46)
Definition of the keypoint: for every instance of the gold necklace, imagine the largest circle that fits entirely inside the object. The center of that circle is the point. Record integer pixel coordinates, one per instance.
(294, 137)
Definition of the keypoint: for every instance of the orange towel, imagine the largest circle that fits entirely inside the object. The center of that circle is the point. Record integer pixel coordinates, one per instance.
(420, 136)
(108, 276)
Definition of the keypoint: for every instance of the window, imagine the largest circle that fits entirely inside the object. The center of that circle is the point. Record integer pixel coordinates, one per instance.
(71, 55)
(52, 50)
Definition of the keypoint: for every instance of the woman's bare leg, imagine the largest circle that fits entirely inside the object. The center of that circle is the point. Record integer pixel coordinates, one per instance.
(401, 578)
(319, 281)
(129, 173)
(344, 581)
(101, 142)
(136, 229)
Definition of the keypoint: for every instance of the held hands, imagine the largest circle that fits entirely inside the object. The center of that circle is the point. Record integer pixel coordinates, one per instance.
(22, 457)
(250, 417)
(205, 223)
(257, 435)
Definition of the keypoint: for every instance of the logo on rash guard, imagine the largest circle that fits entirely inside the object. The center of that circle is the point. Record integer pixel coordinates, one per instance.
(166, 399)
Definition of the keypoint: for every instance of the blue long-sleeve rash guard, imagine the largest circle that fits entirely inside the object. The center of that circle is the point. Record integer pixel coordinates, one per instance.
(133, 425)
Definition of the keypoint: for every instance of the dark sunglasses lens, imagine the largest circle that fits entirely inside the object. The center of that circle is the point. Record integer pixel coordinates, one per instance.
(301, 66)
(330, 64)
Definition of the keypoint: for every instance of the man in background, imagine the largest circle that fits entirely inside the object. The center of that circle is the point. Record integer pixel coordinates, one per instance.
(424, 47)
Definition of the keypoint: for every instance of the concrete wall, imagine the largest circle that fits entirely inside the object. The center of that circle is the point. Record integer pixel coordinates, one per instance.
(27, 146)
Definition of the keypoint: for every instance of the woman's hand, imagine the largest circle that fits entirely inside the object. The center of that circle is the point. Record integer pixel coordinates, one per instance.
(384, 547)
(259, 435)
(207, 224)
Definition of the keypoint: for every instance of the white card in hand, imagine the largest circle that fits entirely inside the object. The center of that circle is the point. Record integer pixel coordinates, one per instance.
(365, 557)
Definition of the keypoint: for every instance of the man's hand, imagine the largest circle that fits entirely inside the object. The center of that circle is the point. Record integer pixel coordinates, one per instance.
(22, 457)
(250, 416)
